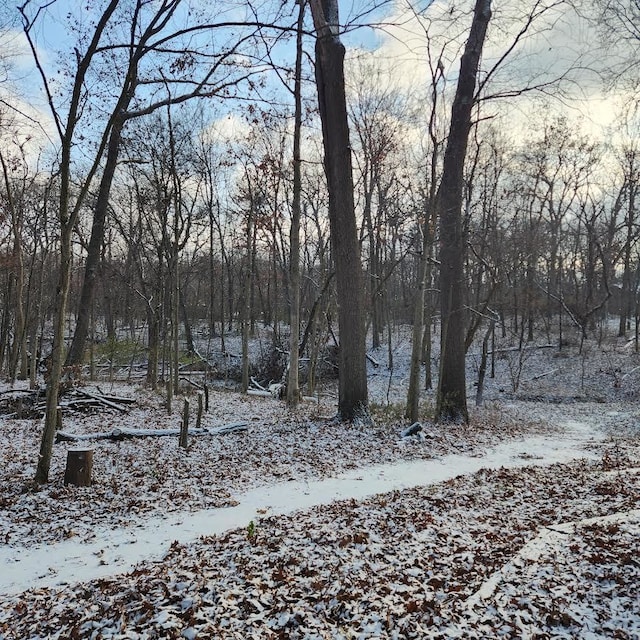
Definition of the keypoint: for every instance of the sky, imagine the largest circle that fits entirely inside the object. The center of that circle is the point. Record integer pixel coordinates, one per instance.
(560, 43)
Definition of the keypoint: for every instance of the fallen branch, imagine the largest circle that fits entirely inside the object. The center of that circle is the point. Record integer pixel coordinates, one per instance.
(257, 384)
(629, 372)
(126, 434)
(373, 361)
(542, 375)
(533, 550)
(192, 383)
(108, 402)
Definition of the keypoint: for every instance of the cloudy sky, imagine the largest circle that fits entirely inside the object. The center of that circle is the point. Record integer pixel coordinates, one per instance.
(551, 42)
(558, 43)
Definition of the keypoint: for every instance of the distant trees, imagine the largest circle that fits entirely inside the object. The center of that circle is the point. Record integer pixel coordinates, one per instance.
(620, 20)
(147, 30)
(240, 216)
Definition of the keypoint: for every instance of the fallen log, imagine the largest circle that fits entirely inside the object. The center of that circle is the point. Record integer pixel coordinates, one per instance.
(542, 375)
(263, 393)
(127, 434)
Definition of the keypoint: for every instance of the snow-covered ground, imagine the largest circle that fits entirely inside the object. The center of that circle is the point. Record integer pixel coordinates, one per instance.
(524, 524)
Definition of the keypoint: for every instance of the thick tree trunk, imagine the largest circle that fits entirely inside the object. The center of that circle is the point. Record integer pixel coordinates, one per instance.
(452, 391)
(76, 351)
(352, 384)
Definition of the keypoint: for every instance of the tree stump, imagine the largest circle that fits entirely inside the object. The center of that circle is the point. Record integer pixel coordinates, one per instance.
(79, 465)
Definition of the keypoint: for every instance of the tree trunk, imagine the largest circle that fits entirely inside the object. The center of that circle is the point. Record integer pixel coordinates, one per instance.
(188, 333)
(16, 275)
(352, 383)
(76, 351)
(246, 303)
(452, 392)
(57, 352)
(293, 383)
(153, 323)
(413, 394)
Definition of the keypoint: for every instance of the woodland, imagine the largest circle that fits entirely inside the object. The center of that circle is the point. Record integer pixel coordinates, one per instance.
(207, 173)
(398, 231)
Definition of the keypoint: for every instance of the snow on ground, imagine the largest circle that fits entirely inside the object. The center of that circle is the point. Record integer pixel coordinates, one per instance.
(116, 551)
(538, 539)
(405, 564)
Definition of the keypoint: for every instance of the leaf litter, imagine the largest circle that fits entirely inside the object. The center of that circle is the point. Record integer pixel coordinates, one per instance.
(536, 551)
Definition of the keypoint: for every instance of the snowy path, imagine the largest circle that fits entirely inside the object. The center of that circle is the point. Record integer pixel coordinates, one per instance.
(117, 551)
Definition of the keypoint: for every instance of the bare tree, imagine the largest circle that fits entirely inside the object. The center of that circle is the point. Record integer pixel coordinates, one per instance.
(293, 384)
(219, 78)
(620, 20)
(352, 386)
(149, 27)
(426, 226)
(68, 209)
(452, 391)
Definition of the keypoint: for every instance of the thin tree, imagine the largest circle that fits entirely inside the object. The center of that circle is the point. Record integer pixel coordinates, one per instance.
(427, 232)
(140, 47)
(89, 58)
(293, 383)
(68, 210)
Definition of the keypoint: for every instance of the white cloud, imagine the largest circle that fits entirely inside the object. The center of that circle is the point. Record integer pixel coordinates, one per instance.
(559, 44)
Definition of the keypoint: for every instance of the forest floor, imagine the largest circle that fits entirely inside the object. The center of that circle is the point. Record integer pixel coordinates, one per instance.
(523, 524)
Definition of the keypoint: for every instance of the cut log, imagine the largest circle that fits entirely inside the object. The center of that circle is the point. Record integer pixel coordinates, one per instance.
(79, 466)
(126, 434)
(75, 399)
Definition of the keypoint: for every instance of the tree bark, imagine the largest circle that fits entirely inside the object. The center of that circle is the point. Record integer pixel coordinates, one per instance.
(17, 274)
(293, 383)
(76, 350)
(412, 412)
(352, 382)
(451, 403)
